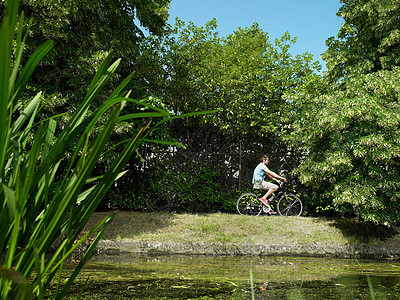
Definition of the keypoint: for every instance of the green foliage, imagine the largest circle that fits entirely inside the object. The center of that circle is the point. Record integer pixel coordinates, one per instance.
(83, 32)
(352, 146)
(196, 190)
(244, 75)
(368, 40)
(347, 131)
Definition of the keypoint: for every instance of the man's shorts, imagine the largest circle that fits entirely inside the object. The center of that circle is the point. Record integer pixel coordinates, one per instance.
(264, 185)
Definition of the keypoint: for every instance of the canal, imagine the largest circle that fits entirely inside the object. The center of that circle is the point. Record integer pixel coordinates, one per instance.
(128, 276)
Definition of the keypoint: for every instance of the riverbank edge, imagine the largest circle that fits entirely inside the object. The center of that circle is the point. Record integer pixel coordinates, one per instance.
(117, 247)
(236, 235)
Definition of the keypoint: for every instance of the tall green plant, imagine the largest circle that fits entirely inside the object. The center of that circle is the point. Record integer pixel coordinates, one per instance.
(44, 207)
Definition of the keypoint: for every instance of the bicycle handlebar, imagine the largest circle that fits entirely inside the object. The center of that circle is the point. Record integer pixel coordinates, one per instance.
(280, 183)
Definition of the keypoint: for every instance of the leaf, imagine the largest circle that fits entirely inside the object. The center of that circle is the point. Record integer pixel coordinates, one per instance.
(105, 223)
(24, 286)
(5, 53)
(28, 113)
(29, 67)
(10, 200)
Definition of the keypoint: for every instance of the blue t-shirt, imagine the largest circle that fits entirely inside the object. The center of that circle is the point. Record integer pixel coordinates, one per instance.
(259, 172)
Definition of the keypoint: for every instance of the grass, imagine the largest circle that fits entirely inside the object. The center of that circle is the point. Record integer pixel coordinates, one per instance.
(233, 228)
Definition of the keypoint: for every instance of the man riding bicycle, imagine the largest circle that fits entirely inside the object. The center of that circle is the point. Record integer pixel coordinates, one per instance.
(259, 174)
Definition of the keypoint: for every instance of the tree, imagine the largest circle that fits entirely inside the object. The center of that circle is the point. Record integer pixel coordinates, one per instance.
(83, 32)
(244, 75)
(353, 148)
(347, 129)
(368, 41)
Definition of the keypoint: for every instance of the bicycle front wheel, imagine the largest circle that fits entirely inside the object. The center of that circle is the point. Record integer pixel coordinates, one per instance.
(290, 205)
(248, 204)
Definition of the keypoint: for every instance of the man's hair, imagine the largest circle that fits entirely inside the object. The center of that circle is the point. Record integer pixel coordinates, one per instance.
(264, 157)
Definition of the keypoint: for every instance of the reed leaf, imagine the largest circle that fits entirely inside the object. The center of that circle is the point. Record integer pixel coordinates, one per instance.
(18, 53)
(5, 53)
(25, 287)
(29, 113)
(28, 69)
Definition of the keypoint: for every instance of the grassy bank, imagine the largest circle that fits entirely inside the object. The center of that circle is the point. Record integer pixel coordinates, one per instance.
(232, 228)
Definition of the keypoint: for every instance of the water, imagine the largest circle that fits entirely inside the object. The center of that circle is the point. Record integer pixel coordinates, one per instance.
(227, 277)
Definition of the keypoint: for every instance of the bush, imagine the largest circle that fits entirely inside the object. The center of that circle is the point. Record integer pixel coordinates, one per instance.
(195, 190)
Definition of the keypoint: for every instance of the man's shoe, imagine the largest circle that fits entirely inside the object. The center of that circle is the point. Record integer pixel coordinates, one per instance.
(265, 201)
(271, 212)
(268, 210)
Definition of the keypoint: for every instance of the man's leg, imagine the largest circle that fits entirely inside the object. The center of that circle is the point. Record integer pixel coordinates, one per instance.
(270, 187)
(269, 193)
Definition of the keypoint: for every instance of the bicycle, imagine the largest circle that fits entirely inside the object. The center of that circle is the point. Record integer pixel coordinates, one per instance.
(287, 204)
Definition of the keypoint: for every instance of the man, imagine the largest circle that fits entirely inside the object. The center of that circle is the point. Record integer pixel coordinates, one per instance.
(260, 172)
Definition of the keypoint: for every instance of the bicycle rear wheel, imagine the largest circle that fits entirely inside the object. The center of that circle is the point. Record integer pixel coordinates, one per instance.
(249, 204)
(290, 205)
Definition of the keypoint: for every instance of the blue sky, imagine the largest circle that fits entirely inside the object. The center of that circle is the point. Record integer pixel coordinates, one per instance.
(311, 21)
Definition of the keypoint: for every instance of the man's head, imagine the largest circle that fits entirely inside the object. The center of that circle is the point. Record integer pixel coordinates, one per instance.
(265, 159)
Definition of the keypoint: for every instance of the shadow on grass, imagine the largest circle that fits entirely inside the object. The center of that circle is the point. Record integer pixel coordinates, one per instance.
(130, 224)
(363, 232)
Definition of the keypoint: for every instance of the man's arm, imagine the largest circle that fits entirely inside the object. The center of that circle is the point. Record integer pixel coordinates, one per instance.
(270, 177)
(273, 175)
